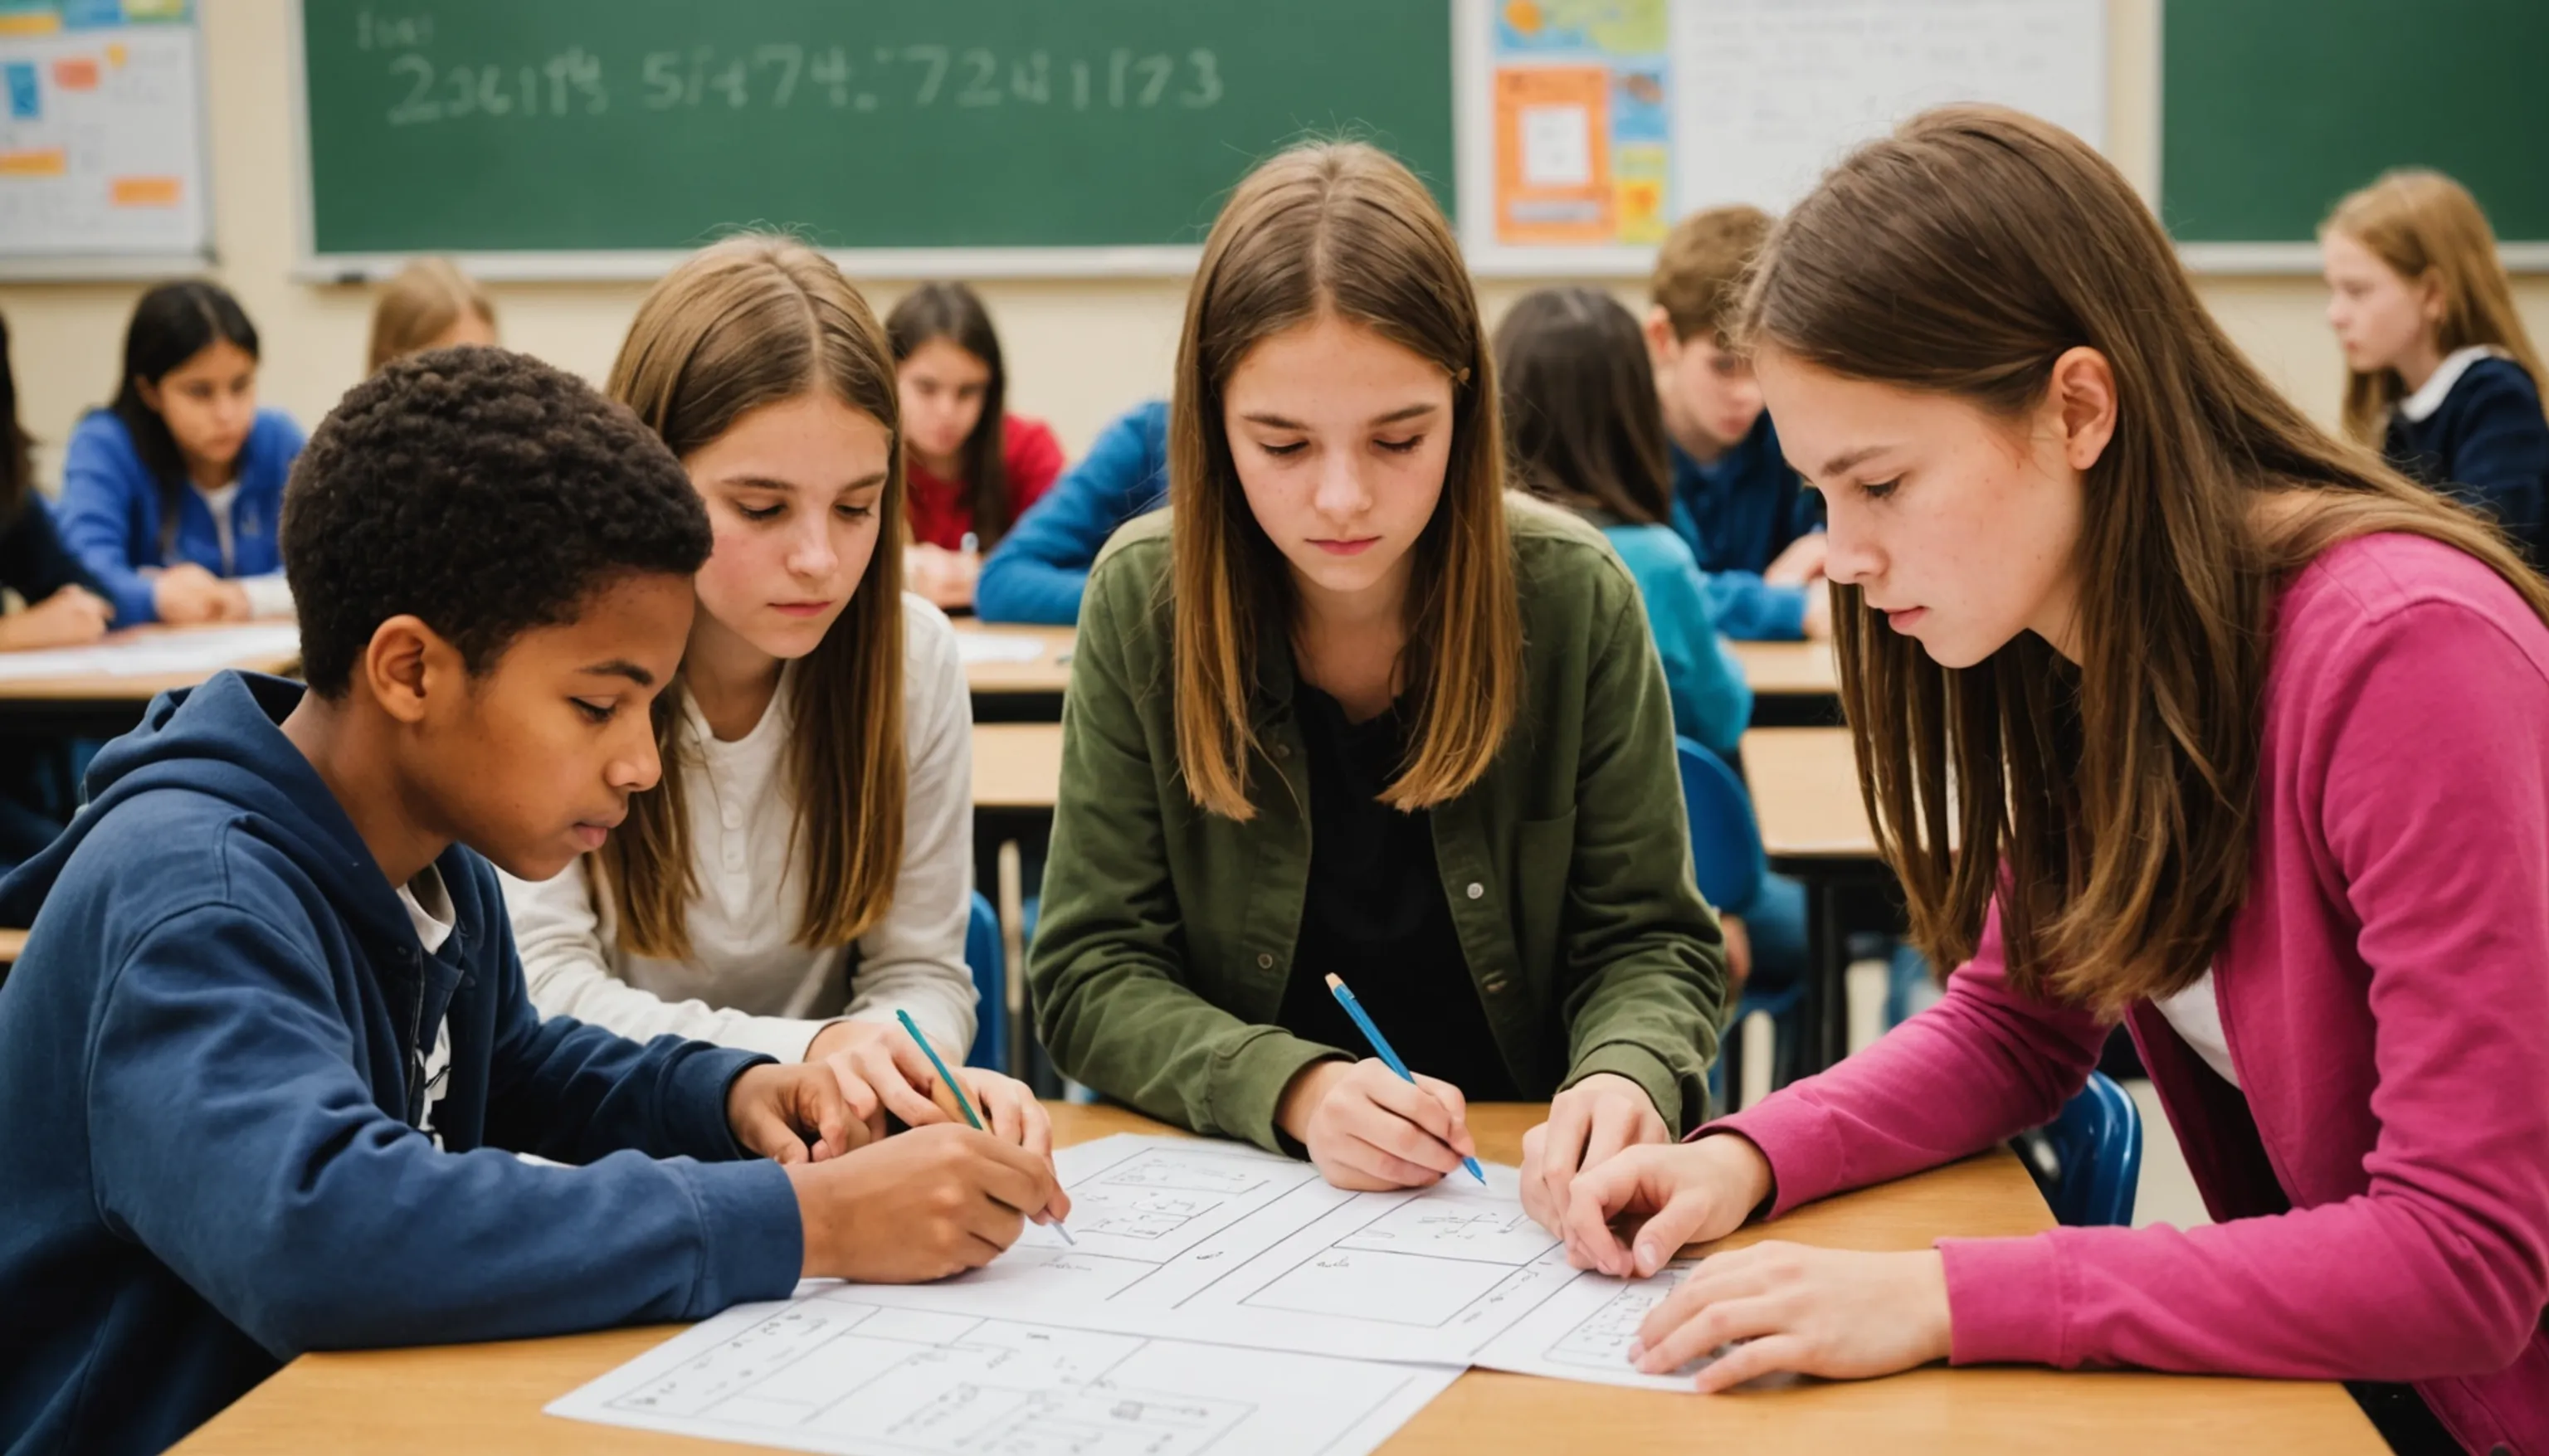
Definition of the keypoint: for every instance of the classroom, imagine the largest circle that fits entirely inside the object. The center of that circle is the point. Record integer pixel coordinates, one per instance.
(930, 727)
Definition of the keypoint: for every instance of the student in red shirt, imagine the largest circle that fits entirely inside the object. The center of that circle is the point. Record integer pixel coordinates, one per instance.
(974, 468)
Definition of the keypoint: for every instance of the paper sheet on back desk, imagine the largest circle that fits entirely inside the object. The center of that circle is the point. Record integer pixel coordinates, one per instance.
(1185, 1239)
(829, 1371)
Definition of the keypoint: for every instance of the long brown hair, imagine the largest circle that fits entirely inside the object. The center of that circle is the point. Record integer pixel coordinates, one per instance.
(1338, 228)
(1582, 426)
(2427, 227)
(955, 313)
(750, 322)
(2110, 805)
(420, 305)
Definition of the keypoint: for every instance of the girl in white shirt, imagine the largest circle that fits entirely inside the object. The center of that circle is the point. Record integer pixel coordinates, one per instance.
(803, 872)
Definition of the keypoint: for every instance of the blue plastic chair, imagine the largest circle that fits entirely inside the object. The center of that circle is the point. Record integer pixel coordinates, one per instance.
(1725, 856)
(2095, 1154)
(990, 988)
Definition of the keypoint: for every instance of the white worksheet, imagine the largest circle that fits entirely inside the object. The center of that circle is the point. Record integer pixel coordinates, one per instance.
(996, 647)
(205, 651)
(1184, 1239)
(831, 1371)
(1583, 1332)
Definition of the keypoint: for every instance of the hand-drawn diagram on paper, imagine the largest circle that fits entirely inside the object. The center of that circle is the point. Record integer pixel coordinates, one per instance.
(828, 1371)
(1583, 1332)
(1203, 1241)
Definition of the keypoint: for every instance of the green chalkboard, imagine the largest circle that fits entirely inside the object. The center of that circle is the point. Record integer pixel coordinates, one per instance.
(475, 126)
(2272, 110)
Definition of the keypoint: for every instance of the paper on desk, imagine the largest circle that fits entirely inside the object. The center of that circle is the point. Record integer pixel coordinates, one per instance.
(1584, 1330)
(202, 652)
(1184, 1239)
(832, 1370)
(976, 648)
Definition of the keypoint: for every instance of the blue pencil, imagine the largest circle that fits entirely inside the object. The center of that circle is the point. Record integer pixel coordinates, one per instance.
(1381, 1048)
(956, 1089)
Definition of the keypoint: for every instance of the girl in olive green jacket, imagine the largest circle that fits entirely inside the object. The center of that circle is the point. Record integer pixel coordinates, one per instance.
(1348, 708)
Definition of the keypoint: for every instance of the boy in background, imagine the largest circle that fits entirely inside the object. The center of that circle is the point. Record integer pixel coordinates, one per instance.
(1756, 531)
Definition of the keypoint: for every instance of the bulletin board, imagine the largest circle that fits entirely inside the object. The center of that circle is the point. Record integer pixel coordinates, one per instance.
(102, 171)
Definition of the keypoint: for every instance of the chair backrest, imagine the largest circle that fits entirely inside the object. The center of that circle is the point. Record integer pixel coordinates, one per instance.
(2097, 1147)
(1725, 841)
(990, 988)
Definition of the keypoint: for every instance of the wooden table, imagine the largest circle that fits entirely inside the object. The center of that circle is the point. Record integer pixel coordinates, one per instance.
(486, 1400)
(1795, 684)
(1813, 826)
(104, 704)
(1027, 691)
(1017, 765)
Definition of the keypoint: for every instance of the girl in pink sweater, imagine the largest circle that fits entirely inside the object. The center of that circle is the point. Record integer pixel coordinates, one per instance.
(2245, 742)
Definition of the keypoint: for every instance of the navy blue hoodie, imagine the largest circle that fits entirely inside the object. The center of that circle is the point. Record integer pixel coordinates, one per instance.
(2483, 441)
(207, 1119)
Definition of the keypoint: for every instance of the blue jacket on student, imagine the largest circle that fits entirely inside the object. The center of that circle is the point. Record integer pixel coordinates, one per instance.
(110, 510)
(2476, 431)
(1737, 515)
(1711, 702)
(1038, 570)
(210, 1107)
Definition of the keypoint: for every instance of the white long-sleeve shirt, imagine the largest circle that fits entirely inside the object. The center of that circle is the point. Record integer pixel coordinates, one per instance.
(746, 982)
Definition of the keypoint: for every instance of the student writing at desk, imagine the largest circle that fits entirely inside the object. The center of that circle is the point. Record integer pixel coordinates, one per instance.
(269, 1056)
(1346, 708)
(2178, 660)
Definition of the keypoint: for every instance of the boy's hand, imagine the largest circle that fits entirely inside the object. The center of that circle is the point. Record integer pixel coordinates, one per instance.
(1366, 1129)
(931, 1203)
(778, 1109)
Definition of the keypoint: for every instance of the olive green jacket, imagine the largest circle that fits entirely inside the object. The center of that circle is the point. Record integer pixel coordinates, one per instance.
(1167, 932)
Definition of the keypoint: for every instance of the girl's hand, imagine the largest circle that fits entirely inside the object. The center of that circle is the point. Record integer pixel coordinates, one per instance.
(1589, 1124)
(70, 617)
(1669, 1194)
(1834, 1313)
(186, 594)
(880, 1070)
(1366, 1129)
(790, 1114)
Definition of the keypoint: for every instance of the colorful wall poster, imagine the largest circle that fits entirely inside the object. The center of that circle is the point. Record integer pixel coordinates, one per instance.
(1583, 121)
(101, 133)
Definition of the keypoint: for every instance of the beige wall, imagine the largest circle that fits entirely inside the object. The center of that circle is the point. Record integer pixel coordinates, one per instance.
(1078, 350)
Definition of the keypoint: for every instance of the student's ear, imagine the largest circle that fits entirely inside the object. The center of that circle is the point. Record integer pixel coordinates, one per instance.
(407, 663)
(1660, 339)
(2429, 298)
(2083, 390)
(149, 394)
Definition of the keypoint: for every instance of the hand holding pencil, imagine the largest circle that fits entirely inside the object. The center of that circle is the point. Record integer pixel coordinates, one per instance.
(1374, 1123)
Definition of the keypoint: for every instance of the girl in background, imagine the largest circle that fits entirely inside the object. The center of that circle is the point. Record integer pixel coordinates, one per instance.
(430, 304)
(2439, 374)
(803, 871)
(171, 495)
(975, 467)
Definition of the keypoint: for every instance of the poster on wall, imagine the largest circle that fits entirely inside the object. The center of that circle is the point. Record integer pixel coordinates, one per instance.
(100, 132)
(1583, 121)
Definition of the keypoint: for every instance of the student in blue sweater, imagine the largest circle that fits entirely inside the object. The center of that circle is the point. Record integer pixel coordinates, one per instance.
(1582, 431)
(1754, 527)
(267, 1057)
(2440, 374)
(1040, 567)
(171, 494)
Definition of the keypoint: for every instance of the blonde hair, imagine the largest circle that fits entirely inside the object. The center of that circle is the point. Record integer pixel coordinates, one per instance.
(1340, 229)
(2109, 806)
(2427, 227)
(420, 305)
(1698, 279)
(750, 322)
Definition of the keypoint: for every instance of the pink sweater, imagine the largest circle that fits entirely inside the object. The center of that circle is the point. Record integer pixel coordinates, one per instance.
(2383, 1186)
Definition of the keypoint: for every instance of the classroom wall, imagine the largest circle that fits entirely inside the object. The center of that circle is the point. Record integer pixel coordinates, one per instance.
(1078, 350)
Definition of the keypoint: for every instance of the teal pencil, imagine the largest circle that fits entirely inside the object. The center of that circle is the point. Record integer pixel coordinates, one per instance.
(956, 1090)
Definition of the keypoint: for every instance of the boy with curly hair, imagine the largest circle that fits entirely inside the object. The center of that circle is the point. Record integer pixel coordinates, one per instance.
(269, 1055)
